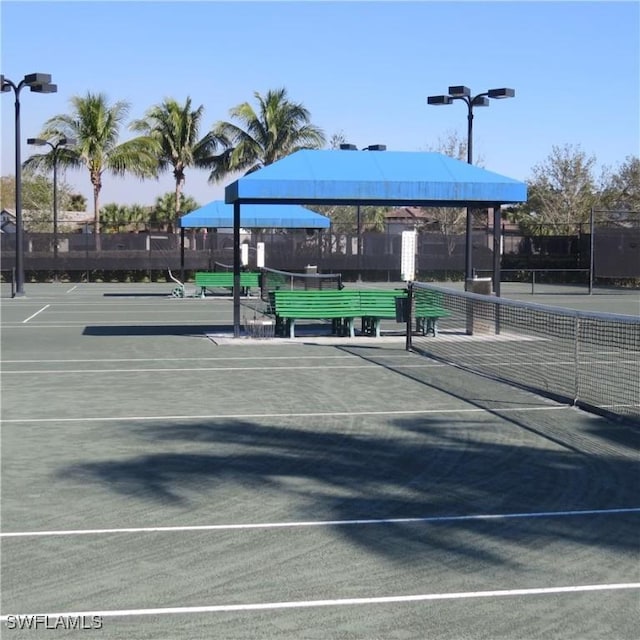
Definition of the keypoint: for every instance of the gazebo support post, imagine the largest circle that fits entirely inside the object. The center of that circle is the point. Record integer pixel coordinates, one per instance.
(236, 269)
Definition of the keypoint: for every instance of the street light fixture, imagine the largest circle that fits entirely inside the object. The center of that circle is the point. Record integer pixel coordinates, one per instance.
(61, 142)
(480, 100)
(38, 83)
(352, 147)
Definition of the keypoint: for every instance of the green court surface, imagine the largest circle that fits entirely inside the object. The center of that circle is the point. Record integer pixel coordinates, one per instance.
(164, 480)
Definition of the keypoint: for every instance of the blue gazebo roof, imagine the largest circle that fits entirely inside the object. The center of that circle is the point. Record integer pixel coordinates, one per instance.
(218, 215)
(375, 177)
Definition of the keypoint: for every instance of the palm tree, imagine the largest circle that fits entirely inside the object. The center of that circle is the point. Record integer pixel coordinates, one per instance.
(113, 216)
(138, 216)
(278, 128)
(175, 128)
(164, 208)
(94, 125)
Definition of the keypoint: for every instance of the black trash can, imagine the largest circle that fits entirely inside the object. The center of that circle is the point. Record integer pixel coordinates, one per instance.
(402, 309)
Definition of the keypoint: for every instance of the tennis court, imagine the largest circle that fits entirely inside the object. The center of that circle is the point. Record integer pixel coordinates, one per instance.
(161, 481)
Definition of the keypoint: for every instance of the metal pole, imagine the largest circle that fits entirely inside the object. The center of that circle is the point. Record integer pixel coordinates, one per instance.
(55, 213)
(182, 254)
(19, 228)
(497, 243)
(468, 260)
(592, 228)
(497, 227)
(359, 243)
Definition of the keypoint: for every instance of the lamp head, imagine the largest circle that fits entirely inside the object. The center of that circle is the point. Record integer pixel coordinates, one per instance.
(33, 79)
(376, 147)
(4, 86)
(501, 93)
(38, 142)
(436, 100)
(459, 92)
(44, 88)
(480, 101)
(348, 147)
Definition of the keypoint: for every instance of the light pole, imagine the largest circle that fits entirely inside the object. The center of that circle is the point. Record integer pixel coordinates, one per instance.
(352, 147)
(62, 142)
(38, 83)
(479, 100)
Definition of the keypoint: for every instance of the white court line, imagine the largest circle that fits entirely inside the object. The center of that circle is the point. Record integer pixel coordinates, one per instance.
(46, 306)
(201, 328)
(425, 365)
(72, 289)
(315, 414)
(304, 604)
(319, 523)
(201, 359)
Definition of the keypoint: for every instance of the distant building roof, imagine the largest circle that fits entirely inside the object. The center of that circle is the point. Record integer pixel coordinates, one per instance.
(8, 217)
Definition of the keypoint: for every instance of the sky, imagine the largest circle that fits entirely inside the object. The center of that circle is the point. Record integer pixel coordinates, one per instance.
(362, 69)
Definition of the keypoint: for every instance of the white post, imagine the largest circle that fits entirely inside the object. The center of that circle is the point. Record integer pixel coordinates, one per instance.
(260, 255)
(408, 259)
(244, 254)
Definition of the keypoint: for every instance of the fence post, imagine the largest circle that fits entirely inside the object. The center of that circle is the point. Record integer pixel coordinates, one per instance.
(591, 245)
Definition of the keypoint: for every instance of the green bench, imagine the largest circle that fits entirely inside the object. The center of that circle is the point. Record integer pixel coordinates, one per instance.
(342, 307)
(428, 308)
(224, 280)
(339, 306)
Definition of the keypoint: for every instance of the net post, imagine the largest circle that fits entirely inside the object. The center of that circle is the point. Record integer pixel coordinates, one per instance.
(576, 359)
(408, 343)
(533, 281)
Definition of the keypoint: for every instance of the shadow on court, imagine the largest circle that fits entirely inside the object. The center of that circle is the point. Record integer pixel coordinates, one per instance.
(118, 331)
(424, 466)
(136, 295)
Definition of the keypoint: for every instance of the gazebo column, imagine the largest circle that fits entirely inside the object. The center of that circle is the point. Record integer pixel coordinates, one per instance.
(236, 269)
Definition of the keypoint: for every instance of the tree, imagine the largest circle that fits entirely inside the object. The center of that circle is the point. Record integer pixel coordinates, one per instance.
(95, 125)
(113, 217)
(621, 189)
(37, 199)
(8, 192)
(561, 193)
(278, 128)
(138, 216)
(164, 209)
(77, 202)
(175, 128)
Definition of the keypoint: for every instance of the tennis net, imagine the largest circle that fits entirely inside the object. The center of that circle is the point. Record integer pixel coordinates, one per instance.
(220, 266)
(589, 359)
(273, 280)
